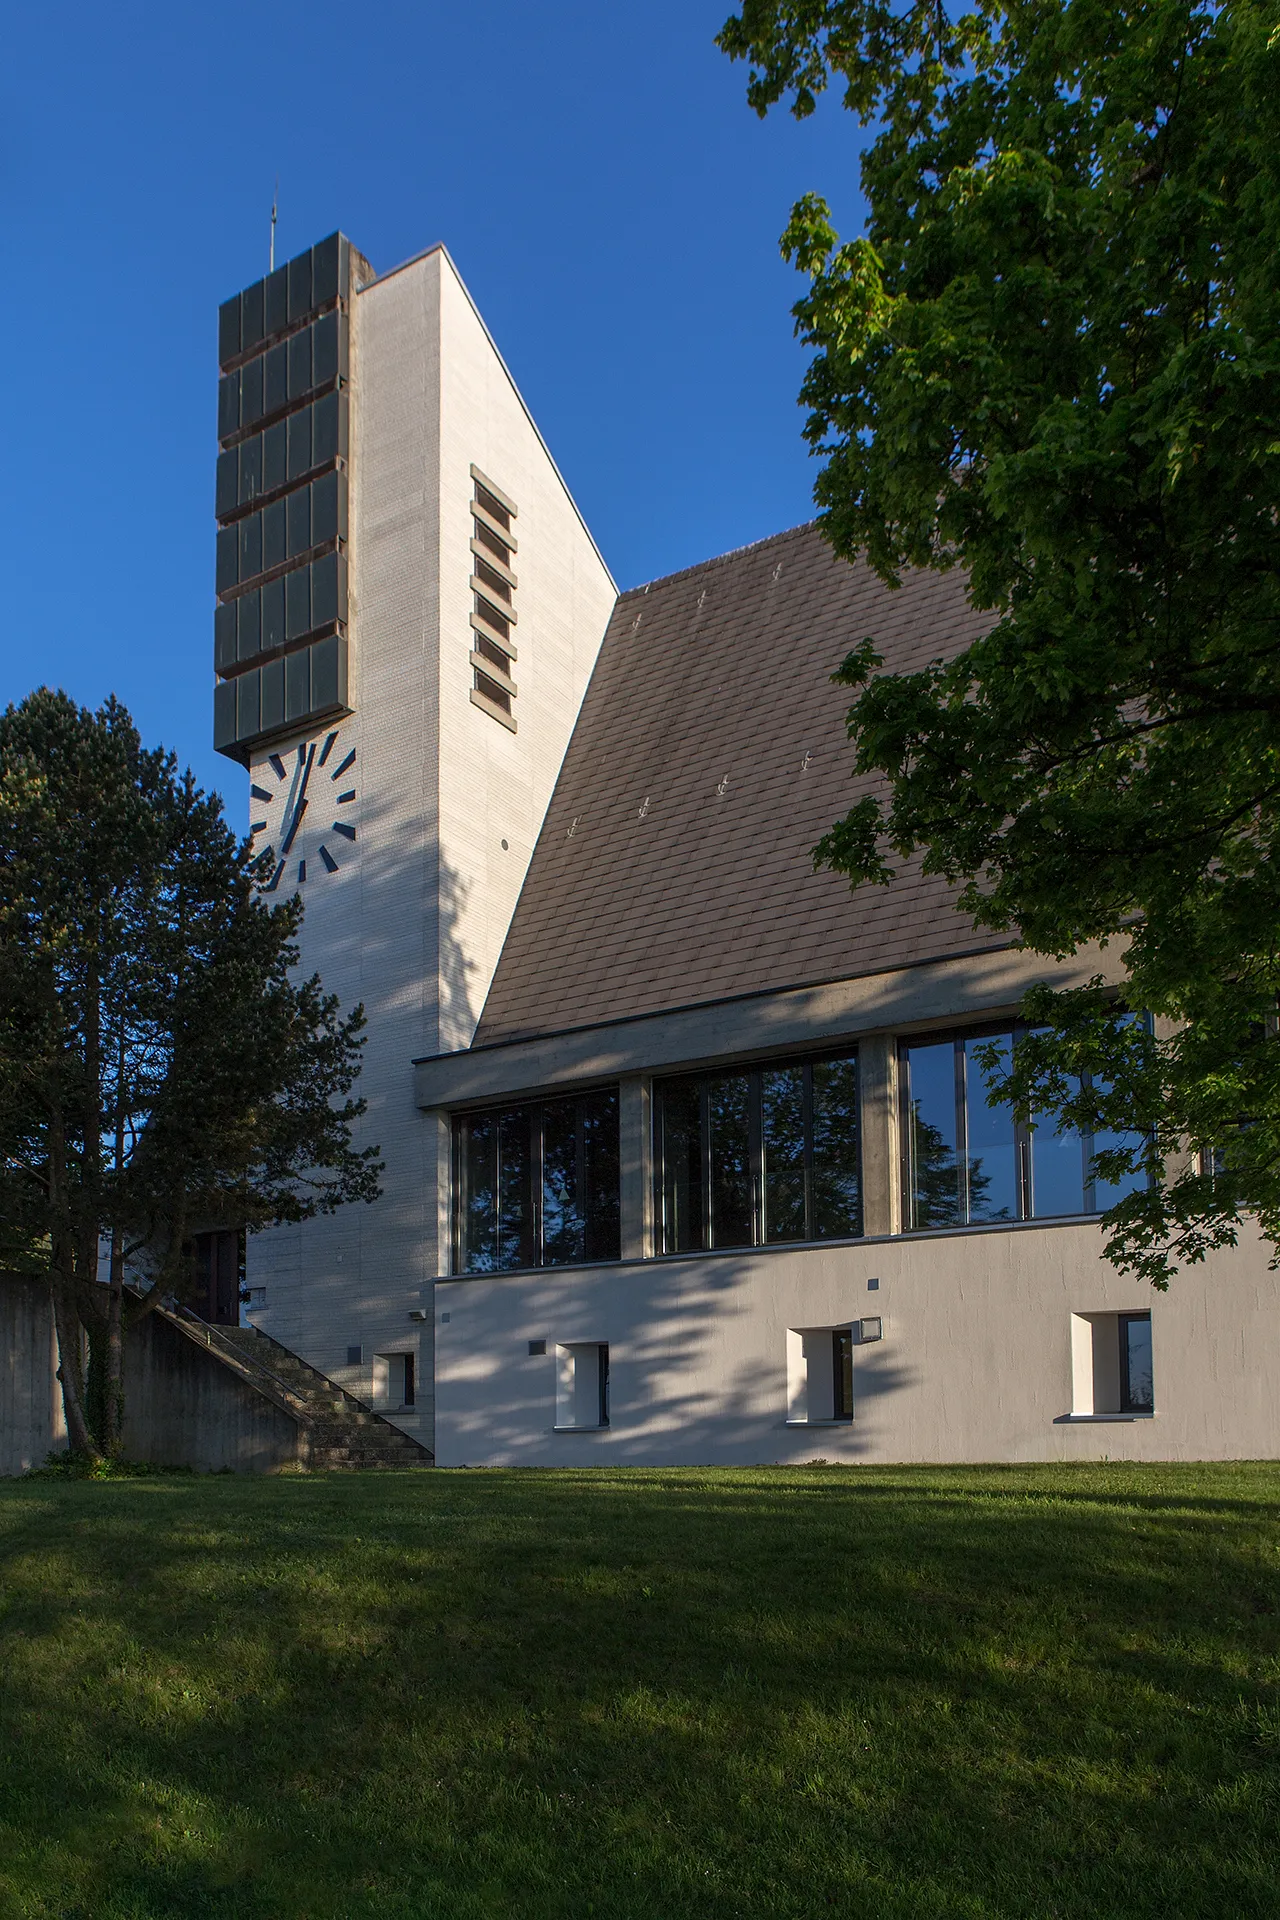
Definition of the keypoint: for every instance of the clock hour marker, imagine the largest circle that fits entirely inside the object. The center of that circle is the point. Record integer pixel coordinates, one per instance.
(302, 753)
(278, 765)
(257, 826)
(302, 872)
(340, 826)
(342, 766)
(261, 793)
(327, 748)
(328, 859)
(350, 794)
(274, 881)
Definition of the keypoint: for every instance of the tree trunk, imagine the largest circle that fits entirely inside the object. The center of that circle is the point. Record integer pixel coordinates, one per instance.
(66, 1317)
(71, 1369)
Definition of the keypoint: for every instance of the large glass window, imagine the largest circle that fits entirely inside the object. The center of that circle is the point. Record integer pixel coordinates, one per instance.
(967, 1160)
(537, 1185)
(761, 1156)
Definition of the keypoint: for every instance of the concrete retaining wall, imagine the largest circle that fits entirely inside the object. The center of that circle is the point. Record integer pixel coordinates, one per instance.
(31, 1425)
(183, 1407)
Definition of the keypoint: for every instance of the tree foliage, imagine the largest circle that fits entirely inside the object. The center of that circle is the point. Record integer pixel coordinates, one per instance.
(1053, 359)
(162, 1069)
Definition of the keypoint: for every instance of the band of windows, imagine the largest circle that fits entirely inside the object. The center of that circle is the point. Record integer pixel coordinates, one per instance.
(767, 1155)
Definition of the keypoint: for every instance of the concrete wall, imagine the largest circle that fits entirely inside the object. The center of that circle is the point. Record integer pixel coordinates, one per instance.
(449, 801)
(183, 1408)
(975, 1362)
(31, 1422)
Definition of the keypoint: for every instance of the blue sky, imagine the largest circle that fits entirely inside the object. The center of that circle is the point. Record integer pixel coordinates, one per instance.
(610, 200)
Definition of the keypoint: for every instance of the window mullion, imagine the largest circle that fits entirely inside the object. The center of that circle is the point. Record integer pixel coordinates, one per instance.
(755, 1152)
(962, 1134)
(806, 1112)
(704, 1124)
(1022, 1140)
(456, 1189)
(906, 1141)
(580, 1173)
(535, 1185)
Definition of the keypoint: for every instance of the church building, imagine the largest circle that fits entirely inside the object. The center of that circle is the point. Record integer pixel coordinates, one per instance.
(688, 1155)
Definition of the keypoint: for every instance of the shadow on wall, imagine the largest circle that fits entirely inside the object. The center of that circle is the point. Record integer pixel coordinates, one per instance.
(677, 1394)
(390, 930)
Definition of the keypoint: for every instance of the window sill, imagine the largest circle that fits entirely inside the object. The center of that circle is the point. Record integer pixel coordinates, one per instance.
(600, 1429)
(845, 1421)
(1101, 1419)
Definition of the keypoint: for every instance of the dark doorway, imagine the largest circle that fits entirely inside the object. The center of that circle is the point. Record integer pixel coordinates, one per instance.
(219, 1274)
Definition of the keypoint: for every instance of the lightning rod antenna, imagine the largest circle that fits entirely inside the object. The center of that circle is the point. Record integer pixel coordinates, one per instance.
(274, 201)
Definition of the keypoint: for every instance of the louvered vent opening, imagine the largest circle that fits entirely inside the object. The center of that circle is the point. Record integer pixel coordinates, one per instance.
(493, 599)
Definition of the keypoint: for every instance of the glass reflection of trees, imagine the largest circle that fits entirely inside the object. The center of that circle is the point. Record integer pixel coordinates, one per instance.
(968, 1160)
(537, 1185)
(765, 1155)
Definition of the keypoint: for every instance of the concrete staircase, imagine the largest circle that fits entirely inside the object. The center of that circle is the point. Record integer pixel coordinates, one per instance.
(337, 1432)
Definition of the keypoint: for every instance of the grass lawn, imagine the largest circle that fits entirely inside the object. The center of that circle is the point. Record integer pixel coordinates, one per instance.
(990, 1691)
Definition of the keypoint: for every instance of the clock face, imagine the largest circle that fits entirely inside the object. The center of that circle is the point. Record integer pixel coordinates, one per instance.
(302, 803)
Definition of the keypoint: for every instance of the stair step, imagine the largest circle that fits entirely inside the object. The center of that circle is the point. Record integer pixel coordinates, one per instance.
(344, 1435)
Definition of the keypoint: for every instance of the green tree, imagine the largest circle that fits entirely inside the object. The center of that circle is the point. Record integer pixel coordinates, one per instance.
(163, 1070)
(1053, 359)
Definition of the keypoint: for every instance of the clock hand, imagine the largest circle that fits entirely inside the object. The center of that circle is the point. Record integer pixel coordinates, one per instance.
(294, 824)
(299, 805)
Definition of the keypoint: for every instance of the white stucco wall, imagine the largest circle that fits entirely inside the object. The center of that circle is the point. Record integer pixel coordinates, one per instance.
(975, 1362)
(413, 921)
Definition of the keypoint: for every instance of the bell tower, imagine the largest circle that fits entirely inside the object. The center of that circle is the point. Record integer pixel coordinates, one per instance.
(409, 609)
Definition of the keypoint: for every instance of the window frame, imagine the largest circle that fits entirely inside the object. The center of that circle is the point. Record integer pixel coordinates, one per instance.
(1127, 1402)
(533, 1235)
(753, 1071)
(1022, 1135)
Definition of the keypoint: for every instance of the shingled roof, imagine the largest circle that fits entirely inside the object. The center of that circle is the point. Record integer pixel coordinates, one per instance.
(673, 867)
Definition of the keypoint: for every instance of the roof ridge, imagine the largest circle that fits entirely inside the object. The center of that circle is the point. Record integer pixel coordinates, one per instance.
(717, 560)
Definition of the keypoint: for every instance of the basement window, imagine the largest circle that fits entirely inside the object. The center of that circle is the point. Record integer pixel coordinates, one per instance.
(394, 1382)
(582, 1386)
(820, 1375)
(1112, 1376)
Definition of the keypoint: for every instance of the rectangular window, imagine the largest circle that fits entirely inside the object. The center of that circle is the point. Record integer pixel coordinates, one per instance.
(967, 1160)
(1111, 1366)
(491, 691)
(582, 1385)
(537, 1185)
(761, 1156)
(842, 1373)
(490, 540)
(492, 506)
(488, 577)
(1136, 1395)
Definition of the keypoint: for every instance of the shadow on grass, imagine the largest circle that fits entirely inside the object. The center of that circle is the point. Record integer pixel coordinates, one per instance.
(775, 1692)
